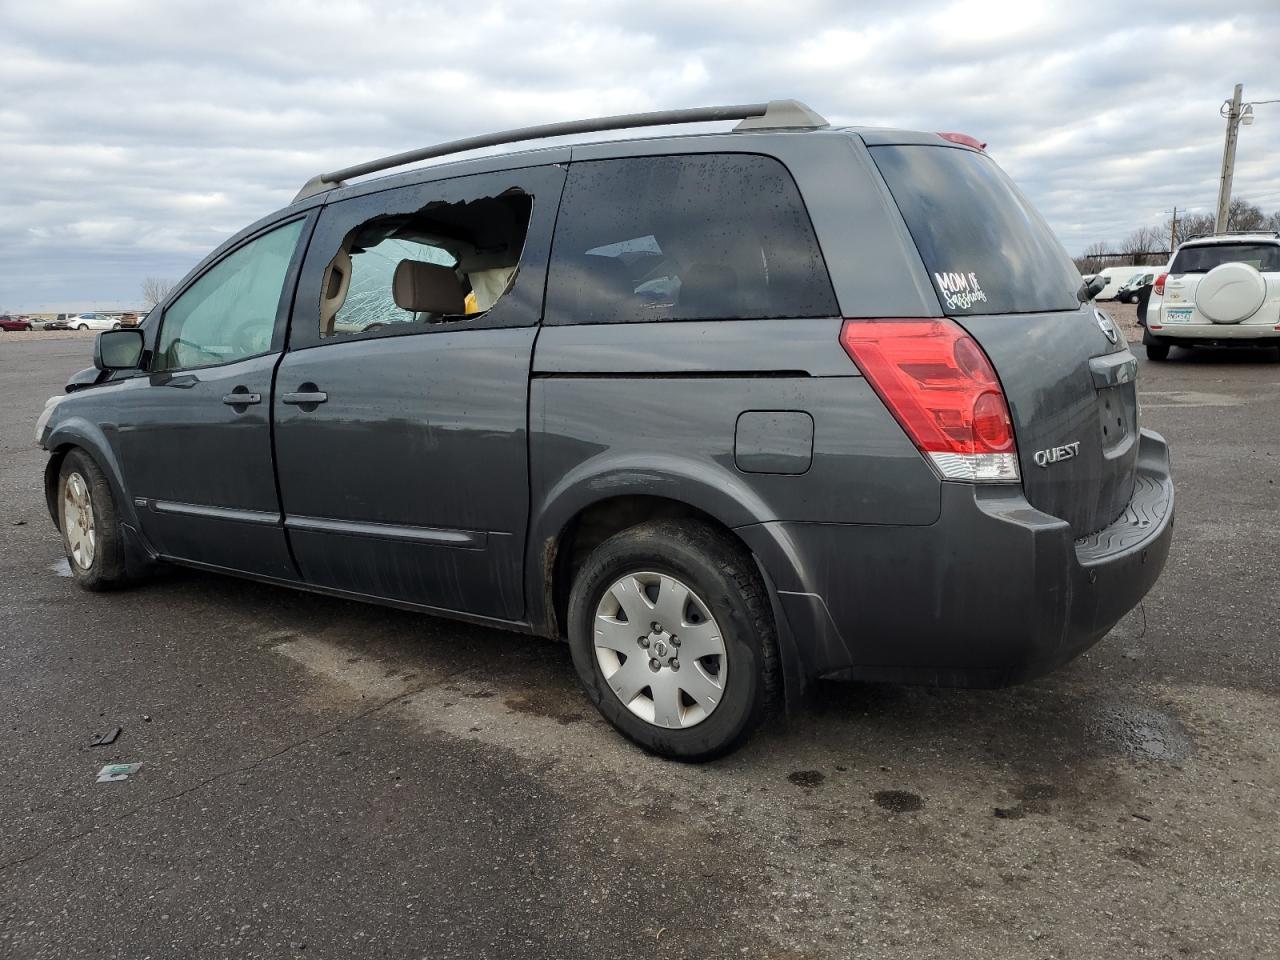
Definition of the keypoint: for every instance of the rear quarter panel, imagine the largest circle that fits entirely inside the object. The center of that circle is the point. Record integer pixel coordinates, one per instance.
(651, 409)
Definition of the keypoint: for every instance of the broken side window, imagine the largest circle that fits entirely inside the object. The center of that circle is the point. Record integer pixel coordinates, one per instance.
(446, 262)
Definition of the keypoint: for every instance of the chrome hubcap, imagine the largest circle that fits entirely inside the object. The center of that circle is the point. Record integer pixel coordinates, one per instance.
(78, 524)
(660, 650)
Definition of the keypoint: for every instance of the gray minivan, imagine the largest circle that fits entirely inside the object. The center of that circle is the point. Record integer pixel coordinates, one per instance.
(727, 411)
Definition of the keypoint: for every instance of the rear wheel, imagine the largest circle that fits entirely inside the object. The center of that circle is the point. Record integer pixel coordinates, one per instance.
(83, 326)
(89, 523)
(673, 638)
(1157, 351)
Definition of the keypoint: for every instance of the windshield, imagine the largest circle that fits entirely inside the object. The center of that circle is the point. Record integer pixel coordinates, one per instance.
(985, 247)
(1201, 259)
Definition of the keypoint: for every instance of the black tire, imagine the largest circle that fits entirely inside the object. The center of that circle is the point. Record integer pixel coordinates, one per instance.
(722, 574)
(1157, 351)
(105, 570)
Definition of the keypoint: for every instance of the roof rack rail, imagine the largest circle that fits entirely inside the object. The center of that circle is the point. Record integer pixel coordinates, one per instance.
(1234, 233)
(774, 115)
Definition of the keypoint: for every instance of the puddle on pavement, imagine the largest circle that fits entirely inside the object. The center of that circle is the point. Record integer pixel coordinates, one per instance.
(1143, 733)
(807, 778)
(541, 704)
(898, 801)
(61, 567)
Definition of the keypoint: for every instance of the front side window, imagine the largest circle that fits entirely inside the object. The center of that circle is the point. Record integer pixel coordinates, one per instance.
(696, 237)
(230, 312)
(399, 273)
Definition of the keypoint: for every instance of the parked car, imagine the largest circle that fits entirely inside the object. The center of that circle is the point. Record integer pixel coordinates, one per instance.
(58, 323)
(92, 321)
(1132, 288)
(1222, 290)
(778, 403)
(1117, 277)
(8, 323)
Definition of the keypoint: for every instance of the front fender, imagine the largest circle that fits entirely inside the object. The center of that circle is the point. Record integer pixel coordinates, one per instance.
(76, 431)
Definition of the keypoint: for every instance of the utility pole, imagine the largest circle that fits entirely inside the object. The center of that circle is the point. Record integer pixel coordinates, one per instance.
(1228, 160)
(1173, 231)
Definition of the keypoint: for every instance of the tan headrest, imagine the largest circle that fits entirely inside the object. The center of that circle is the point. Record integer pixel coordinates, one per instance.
(333, 290)
(427, 288)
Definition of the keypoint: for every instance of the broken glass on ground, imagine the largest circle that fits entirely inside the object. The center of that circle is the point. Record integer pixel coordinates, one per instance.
(117, 771)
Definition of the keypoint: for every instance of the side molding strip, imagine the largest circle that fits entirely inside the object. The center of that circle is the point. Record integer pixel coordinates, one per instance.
(463, 539)
(211, 513)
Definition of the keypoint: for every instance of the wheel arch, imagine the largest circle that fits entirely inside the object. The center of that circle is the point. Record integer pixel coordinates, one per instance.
(585, 514)
(80, 434)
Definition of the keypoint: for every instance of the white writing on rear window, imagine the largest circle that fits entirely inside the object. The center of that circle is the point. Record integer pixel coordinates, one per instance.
(960, 291)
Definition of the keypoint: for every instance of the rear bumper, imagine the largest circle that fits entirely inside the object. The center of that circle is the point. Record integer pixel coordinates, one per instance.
(993, 593)
(1224, 333)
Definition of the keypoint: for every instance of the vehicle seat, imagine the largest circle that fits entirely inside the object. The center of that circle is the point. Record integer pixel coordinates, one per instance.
(333, 290)
(428, 288)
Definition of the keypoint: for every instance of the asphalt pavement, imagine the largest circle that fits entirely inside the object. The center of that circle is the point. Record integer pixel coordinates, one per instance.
(325, 779)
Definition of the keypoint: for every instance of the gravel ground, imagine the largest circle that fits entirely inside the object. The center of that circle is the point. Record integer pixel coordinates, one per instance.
(18, 336)
(1125, 316)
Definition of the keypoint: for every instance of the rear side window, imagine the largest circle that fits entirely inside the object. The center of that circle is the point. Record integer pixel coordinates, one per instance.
(985, 247)
(1261, 256)
(698, 237)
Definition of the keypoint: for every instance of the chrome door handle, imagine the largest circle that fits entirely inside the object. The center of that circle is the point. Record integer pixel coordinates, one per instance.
(241, 398)
(302, 398)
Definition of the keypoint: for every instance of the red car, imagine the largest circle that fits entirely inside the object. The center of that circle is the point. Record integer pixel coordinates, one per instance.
(14, 323)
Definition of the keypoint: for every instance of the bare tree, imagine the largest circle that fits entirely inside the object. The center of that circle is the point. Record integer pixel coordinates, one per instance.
(1147, 245)
(154, 289)
(1243, 215)
(1190, 225)
(1094, 257)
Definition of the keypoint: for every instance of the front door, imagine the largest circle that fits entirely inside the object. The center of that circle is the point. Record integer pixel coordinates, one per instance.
(401, 405)
(194, 436)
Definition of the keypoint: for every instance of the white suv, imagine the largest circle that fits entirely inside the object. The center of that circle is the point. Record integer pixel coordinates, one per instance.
(1220, 290)
(93, 321)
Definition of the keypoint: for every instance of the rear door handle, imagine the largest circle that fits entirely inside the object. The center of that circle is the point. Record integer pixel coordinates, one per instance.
(241, 398)
(303, 398)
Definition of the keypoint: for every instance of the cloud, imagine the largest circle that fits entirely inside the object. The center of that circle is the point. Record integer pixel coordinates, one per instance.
(134, 136)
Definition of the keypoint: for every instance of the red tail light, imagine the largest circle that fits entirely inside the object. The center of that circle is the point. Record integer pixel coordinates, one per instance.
(937, 382)
(1158, 289)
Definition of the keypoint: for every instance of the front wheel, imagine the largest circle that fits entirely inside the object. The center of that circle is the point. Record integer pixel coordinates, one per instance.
(1157, 351)
(83, 326)
(90, 524)
(673, 638)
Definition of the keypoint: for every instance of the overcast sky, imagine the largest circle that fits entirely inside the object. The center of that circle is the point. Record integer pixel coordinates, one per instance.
(135, 136)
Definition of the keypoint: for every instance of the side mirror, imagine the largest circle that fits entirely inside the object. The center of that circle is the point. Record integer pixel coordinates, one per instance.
(118, 350)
